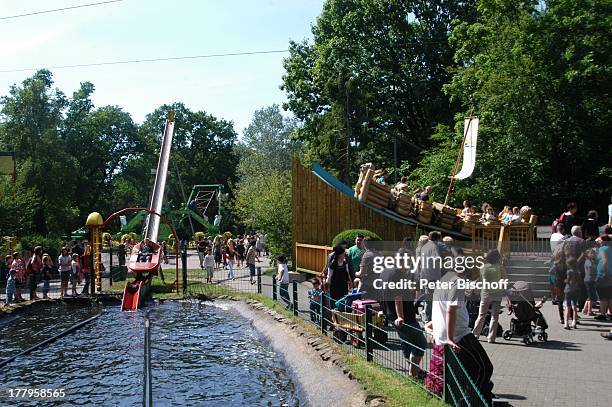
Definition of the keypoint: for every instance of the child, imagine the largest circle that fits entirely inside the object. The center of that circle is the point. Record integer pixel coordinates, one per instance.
(571, 291)
(64, 263)
(283, 280)
(20, 275)
(10, 286)
(75, 269)
(314, 294)
(46, 275)
(209, 263)
(590, 281)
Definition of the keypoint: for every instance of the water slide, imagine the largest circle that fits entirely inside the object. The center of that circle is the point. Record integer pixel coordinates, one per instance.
(144, 267)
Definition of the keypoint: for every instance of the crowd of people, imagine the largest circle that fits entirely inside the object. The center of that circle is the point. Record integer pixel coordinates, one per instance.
(29, 272)
(580, 273)
(350, 270)
(227, 253)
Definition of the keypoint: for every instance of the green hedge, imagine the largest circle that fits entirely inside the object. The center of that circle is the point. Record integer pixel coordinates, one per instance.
(350, 235)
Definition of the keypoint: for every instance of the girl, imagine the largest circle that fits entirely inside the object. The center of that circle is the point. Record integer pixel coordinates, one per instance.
(64, 264)
(20, 276)
(46, 274)
(571, 291)
(590, 278)
(209, 263)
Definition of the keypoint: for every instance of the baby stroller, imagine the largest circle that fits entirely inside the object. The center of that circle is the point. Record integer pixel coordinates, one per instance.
(529, 320)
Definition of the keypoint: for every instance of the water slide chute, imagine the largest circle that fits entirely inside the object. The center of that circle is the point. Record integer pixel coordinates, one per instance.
(145, 267)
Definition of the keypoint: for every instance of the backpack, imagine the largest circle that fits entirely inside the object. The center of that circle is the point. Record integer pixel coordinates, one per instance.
(557, 221)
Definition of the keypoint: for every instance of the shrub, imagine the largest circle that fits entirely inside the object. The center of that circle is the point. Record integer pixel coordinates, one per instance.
(350, 234)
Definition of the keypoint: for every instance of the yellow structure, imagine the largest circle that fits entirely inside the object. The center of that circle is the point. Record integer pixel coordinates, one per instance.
(94, 222)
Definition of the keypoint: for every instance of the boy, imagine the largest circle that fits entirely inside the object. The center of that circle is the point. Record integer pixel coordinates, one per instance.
(314, 294)
(209, 263)
(10, 286)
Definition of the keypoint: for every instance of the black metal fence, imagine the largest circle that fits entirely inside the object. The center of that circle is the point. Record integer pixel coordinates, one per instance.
(365, 332)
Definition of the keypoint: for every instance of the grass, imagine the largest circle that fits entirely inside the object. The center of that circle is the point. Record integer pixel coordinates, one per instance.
(395, 389)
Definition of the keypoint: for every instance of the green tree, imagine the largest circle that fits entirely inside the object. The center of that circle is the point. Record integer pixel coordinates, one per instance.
(31, 123)
(539, 80)
(373, 77)
(263, 191)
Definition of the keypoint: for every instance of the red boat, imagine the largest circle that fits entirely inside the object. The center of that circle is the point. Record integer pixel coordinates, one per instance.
(144, 270)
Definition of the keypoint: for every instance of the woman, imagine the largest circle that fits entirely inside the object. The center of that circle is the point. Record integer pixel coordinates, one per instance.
(35, 269)
(490, 272)
(217, 251)
(604, 277)
(340, 275)
(590, 227)
(250, 258)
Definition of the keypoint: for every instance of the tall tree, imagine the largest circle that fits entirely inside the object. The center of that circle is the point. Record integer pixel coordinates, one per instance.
(373, 78)
(540, 80)
(31, 122)
(263, 191)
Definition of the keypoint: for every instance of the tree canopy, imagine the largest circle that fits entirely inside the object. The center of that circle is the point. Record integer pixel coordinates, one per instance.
(74, 158)
(408, 72)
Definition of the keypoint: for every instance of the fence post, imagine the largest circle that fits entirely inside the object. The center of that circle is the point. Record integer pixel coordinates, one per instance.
(274, 293)
(110, 266)
(258, 280)
(295, 298)
(184, 264)
(369, 345)
(322, 313)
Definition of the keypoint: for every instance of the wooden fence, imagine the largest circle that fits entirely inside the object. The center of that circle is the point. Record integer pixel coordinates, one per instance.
(310, 258)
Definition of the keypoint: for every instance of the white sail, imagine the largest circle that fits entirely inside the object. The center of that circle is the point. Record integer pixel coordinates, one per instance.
(469, 148)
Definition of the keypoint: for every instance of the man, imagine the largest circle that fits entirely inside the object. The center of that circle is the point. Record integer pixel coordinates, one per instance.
(557, 238)
(355, 253)
(430, 269)
(450, 320)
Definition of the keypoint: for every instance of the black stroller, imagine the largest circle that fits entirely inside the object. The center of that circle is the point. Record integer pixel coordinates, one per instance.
(529, 320)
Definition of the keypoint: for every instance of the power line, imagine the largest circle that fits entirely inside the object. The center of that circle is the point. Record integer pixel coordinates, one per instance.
(59, 9)
(138, 61)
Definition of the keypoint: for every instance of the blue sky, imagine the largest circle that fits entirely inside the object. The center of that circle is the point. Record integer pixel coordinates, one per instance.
(231, 87)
